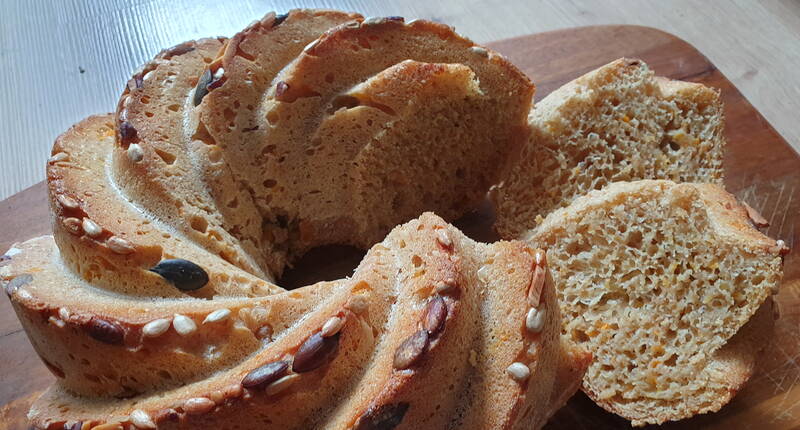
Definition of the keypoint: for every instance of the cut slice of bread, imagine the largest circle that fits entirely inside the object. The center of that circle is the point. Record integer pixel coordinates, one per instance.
(616, 123)
(656, 279)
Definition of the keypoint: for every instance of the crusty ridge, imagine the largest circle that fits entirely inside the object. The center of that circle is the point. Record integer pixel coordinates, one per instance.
(657, 279)
(616, 123)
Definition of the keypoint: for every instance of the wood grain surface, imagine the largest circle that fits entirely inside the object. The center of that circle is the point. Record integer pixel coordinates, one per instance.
(761, 168)
(66, 59)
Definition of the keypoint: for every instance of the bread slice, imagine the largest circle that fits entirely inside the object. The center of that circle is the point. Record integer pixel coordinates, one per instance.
(369, 377)
(616, 123)
(370, 125)
(656, 279)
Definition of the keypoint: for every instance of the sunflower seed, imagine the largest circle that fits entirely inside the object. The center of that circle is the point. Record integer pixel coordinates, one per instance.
(198, 405)
(266, 374)
(127, 133)
(119, 245)
(444, 238)
(480, 51)
(91, 228)
(540, 257)
(331, 327)
(535, 319)
(156, 327)
(217, 315)
(281, 384)
(445, 286)
(183, 274)
(73, 225)
(183, 324)
(67, 201)
(142, 420)
(411, 350)
(63, 313)
(314, 352)
(135, 152)
(519, 372)
(59, 156)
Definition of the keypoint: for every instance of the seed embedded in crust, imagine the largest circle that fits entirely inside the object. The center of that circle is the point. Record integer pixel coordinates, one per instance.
(183, 274)
(483, 273)
(198, 405)
(119, 245)
(201, 90)
(142, 420)
(480, 51)
(535, 319)
(445, 286)
(266, 374)
(755, 216)
(540, 257)
(67, 202)
(537, 284)
(105, 331)
(135, 152)
(127, 133)
(314, 352)
(409, 352)
(444, 239)
(280, 89)
(281, 384)
(59, 156)
(435, 315)
(383, 417)
(91, 228)
(18, 281)
(183, 324)
(73, 425)
(217, 315)
(311, 45)
(519, 372)
(331, 327)
(73, 225)
(63, 313)
(156, 327)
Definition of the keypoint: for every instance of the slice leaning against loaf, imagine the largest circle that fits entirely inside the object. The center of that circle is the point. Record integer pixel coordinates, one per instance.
(656, 279)
(616, 123)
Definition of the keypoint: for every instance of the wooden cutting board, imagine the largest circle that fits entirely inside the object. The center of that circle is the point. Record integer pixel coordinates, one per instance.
(761, 169)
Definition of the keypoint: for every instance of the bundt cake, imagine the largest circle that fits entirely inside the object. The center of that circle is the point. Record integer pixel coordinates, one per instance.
(659, 280)
(616, 123)
(155, 303)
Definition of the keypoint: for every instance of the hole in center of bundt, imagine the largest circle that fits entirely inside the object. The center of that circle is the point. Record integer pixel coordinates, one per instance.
(324, 263)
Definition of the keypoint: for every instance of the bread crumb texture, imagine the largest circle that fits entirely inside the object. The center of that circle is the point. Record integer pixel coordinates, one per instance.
(616, 123)
(654, 282)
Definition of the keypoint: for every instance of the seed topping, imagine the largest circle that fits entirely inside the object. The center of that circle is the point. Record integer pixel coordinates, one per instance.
(435, 315)
(535, 319)
(198, 405)
(135, 152)
(409, 352)
(183, 274)
(73, 225)
(537, 283)
(105, 331)
(331, 327)
(91, 228)
(519, 371)
(383, 417)
(266, 374)
(156, 327)
(281, 384)
(183, 324)
(314, 352)
(119, 245)
(66, 201)
(142, 420)
(217, 315)
(444, 239)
